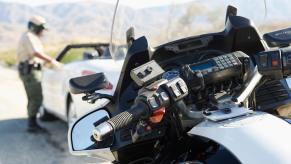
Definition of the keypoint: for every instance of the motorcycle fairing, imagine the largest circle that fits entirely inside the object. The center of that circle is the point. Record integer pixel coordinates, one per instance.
(256, 138)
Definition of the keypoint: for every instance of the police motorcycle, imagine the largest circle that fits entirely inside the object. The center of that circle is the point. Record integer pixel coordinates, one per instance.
(200, 99)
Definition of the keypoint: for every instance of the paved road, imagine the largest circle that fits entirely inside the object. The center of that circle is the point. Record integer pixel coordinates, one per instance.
(18, 146)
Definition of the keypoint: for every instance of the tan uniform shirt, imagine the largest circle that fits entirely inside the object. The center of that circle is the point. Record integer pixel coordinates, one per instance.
(29, 44)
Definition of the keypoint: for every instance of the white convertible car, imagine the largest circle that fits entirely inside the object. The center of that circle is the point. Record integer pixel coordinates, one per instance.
(78, 60)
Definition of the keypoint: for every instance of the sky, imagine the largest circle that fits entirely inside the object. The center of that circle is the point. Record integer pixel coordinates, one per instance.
(38, 2)
(145, 3)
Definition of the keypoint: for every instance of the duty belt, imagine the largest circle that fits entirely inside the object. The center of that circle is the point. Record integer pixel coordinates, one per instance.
(25, 67)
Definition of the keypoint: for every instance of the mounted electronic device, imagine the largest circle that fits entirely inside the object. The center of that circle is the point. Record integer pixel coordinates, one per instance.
(213, 70)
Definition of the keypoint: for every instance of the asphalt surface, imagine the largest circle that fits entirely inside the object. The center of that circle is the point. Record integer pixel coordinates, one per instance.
(19, 146)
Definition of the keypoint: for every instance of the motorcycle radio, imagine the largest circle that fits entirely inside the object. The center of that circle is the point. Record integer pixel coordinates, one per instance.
(215, 69)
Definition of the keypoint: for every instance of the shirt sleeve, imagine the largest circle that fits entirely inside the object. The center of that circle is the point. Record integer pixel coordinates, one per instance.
(33, 44)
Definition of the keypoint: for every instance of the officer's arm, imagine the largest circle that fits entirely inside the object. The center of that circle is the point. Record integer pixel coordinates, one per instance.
(36, 49)
(44, 57)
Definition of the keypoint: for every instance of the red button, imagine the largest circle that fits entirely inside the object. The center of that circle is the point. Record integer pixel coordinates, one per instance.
(158, 115)
(275, 62)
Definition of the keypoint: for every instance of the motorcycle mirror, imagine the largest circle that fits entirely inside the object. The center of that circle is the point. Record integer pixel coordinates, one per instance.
(80, 137)
(280, 38)
(88, 84)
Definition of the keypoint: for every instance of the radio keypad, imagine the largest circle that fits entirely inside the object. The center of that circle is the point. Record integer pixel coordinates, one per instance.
(226, 61)
(214, 70)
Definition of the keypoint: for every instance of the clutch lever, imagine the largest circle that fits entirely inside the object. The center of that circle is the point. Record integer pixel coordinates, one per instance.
(93, 97)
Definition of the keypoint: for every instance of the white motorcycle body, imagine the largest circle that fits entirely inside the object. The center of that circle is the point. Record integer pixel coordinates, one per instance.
(253, 138)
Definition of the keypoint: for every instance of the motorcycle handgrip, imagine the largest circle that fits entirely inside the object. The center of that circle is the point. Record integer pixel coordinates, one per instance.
(119, 121)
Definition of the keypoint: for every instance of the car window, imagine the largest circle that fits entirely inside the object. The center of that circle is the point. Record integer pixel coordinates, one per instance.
(79, 54)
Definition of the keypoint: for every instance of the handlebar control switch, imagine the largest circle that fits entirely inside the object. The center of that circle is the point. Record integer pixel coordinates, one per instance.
(164, 97)
(155, 99)
(270, 64)
(176, 88)
(153, 102)
(182, 85)
(176, 91)
(286, 59)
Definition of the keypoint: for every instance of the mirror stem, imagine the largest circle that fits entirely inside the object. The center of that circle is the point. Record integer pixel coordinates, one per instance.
(92, 98)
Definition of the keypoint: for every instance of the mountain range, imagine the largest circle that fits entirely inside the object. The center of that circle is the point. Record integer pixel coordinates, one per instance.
(90, 21)
(70, 22)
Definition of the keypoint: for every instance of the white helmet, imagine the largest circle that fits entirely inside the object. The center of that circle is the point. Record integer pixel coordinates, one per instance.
(37, 20)
(37, 24)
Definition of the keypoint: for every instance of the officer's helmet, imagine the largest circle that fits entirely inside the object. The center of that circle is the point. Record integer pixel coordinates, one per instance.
(37, 24)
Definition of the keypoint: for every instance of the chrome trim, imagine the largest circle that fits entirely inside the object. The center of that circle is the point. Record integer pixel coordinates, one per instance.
(250, 87)
(102, 131)
(288, 81)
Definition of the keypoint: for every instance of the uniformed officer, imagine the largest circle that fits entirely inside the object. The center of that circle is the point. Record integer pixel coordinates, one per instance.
(30, 56)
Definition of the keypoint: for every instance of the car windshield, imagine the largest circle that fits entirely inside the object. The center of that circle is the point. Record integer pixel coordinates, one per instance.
(162, 21)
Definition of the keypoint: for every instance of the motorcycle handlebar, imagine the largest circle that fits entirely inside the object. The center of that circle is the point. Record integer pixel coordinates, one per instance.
(119, 121)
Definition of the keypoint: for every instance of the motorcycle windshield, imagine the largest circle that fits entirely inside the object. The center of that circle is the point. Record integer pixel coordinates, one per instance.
(162, 21)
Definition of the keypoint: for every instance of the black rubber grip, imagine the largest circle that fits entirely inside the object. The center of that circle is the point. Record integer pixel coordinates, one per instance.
(121, 120)
(125, 118)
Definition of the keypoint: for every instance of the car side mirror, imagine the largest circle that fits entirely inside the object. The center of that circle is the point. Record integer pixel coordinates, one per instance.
(88, 84)
(80, 137)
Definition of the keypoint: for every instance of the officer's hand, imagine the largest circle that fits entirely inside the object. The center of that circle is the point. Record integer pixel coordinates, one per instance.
(54, 65)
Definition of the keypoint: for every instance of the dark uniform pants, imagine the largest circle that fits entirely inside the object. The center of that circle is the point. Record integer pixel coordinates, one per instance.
(33, 90)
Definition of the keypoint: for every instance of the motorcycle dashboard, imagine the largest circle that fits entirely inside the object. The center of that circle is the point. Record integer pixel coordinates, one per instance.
(172, 56)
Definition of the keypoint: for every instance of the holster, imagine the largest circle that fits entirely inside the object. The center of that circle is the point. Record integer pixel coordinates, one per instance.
(25, 67)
